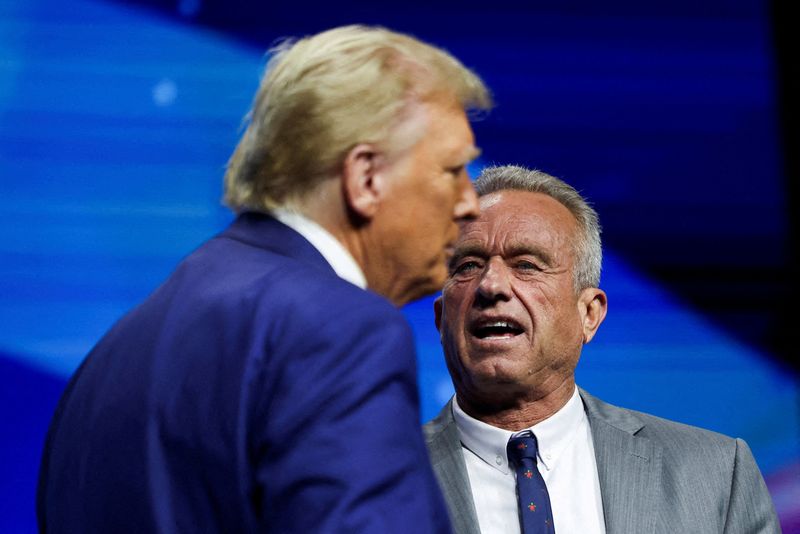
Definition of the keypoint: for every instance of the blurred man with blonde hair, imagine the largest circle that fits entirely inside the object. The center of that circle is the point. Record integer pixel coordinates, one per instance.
(268, 385)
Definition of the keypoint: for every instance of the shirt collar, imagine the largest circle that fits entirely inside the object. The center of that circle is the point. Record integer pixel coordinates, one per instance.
(331, 249)
(553, 434)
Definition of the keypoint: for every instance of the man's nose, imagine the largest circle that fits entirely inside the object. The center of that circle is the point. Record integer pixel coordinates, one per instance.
(467, 206)
(494, 284)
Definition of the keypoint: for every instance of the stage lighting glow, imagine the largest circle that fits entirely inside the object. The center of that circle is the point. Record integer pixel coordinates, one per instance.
(165, 92)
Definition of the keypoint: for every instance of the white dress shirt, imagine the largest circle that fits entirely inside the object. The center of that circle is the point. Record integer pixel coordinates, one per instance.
(566, 461)
(331, 249)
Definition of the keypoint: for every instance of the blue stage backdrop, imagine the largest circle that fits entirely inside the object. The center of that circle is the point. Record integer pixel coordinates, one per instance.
(116, 120)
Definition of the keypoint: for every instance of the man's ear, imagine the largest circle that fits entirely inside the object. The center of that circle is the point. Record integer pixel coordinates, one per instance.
(362, 185)
(593, 305)
(437, 312)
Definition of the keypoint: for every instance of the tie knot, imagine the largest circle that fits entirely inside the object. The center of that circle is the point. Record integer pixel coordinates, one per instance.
(523, 446)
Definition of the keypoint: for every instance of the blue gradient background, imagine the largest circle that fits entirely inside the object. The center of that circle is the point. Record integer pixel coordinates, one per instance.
(116, 121)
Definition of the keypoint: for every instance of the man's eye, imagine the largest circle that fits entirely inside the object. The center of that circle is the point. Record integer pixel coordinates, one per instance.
(527, 265)
(456, 171)
(465, 267)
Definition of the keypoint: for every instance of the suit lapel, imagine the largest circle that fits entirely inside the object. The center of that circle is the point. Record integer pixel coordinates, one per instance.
(629, 467)
(447, 459)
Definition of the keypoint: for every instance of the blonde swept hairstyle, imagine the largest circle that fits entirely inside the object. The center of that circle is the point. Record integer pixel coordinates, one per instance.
(323, 95)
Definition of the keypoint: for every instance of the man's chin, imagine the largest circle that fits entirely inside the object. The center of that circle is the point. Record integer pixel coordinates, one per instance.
(418, 290)
(423, 285)
(492, 391)
(497, 372)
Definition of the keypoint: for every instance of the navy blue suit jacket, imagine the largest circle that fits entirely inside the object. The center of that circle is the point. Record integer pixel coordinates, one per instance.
(254, 390)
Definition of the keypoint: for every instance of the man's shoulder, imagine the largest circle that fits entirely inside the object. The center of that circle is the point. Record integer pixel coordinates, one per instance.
(227, 269)
(441, 435)
(700, 471)
(443, 421)
(257, 297)
(690, 444)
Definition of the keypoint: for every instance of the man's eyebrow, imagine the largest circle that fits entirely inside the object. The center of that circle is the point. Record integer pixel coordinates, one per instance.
(524, 249)
(464, 251)
(514, 250)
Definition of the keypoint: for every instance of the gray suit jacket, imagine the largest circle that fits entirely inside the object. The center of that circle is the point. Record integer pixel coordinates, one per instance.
(656, 476)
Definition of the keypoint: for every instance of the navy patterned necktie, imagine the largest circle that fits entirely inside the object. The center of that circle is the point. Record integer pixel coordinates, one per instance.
(535, 514)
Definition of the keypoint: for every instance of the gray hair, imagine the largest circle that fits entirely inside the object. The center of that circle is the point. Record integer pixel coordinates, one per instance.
(588, 248)
(323, 95)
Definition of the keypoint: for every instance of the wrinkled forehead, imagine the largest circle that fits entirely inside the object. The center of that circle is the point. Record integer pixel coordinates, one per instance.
(515, 217)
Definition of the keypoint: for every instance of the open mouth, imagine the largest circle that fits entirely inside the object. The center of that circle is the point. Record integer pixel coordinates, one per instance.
(496, 329)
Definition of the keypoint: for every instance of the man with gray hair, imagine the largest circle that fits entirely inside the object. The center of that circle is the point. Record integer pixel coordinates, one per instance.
(269, 384)
(520, 448)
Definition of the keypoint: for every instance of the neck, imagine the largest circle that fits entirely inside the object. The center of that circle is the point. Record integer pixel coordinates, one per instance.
(519, 412)
(322, 208)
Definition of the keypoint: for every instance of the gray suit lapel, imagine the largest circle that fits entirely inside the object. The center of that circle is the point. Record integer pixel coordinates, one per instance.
(629, 468)
(447, 459)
